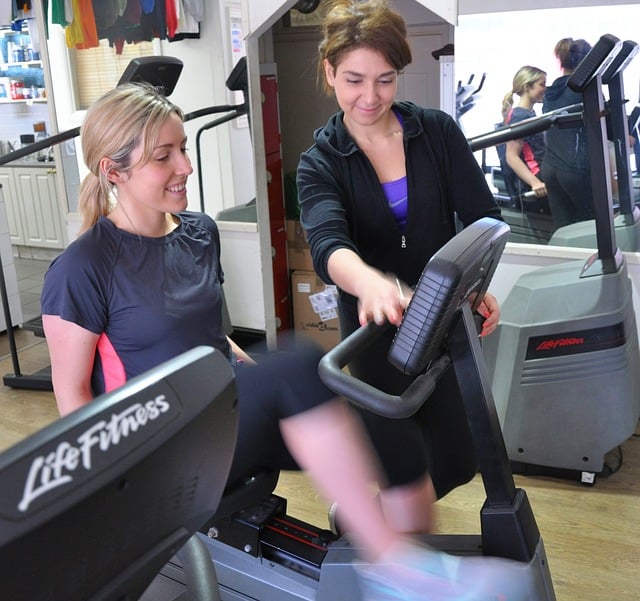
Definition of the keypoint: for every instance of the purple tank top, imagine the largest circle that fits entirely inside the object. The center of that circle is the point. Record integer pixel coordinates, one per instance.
(396, 192)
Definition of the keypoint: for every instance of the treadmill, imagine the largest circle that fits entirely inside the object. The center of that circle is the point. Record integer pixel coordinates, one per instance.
(627, 217)
(565, 358)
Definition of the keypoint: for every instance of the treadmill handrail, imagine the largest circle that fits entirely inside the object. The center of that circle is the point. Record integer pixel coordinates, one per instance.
(568, 116)
(618, 130)
(238, 110)
(621, 61)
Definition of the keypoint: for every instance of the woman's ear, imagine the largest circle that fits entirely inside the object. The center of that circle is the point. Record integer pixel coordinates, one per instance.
(329, 72)
(111, 172)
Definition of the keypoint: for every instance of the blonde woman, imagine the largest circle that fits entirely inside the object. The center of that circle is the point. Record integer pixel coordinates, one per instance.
(524, 156)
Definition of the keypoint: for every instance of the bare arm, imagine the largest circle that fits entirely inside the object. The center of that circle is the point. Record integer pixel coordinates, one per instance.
(513, 150)
(379, 295)
(239, 352)
(72, 351)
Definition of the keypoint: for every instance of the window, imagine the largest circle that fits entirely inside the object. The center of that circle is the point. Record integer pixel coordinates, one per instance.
(97, 70)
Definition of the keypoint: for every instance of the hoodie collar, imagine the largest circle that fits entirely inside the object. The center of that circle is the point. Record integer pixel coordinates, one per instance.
(335, 138)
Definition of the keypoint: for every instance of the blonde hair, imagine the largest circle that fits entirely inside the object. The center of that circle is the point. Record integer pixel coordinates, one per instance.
(352, 24)
(130, 115)
(524, 78)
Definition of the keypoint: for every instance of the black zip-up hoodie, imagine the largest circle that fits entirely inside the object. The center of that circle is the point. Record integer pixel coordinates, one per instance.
(566, 147)
(343, 205)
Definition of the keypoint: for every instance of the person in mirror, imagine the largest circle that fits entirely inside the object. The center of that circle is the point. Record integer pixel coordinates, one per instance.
(380, 191)
(142, 284)
(565, 167)
(524, 156)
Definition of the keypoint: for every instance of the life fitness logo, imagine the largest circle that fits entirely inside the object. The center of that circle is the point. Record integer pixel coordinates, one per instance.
(57, 468)
(573, 343)
(551, 344)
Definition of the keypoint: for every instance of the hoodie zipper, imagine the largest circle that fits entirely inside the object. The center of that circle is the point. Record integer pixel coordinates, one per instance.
(403, 242)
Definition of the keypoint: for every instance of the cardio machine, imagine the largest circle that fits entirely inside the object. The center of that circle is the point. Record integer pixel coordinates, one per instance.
(259, 552)
(94, 504)
(627, 220)
(565, 358)
(130, 513)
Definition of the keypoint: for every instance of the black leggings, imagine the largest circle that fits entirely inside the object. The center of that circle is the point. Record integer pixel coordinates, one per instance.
(436, 440)
(281, 385)
(569, 193)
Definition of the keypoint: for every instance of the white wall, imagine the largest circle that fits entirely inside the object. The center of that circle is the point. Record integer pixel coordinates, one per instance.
(469, 7)
(201, 85)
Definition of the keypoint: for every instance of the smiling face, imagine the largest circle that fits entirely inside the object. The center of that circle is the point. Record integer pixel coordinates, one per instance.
(160, 183)
(365, 85)
(537, 90)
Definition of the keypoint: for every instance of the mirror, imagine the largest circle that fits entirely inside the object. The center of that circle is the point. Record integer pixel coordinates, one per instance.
(498, 44)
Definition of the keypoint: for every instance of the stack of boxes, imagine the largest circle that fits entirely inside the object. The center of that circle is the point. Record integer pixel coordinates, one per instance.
(314, 303)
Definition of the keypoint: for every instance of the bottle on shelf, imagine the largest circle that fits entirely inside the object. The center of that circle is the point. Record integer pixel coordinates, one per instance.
(16, 87)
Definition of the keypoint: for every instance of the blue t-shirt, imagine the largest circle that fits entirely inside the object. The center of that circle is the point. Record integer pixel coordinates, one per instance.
(533, 151)
(149, 299)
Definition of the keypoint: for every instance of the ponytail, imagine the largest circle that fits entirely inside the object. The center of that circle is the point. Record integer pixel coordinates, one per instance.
(94, 200)
(507, 105)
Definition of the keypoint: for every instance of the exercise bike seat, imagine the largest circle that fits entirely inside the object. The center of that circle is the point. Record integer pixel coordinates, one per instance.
(240, 495)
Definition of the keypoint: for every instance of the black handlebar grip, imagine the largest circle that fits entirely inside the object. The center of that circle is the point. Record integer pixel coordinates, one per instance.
(620, 61)
(595, 62)
(367, 396)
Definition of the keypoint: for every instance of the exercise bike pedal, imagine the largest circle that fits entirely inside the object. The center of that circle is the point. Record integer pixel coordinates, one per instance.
(242, 529)
(296, 545)
(265, 530)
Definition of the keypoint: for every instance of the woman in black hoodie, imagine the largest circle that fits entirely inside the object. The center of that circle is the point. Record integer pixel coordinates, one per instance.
(565, 169)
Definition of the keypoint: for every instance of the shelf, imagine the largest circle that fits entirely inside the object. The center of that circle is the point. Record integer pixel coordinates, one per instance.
(24, 64)
(27, 100)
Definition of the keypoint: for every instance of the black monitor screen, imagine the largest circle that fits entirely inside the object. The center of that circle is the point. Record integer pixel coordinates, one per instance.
(95, 504)
(160, 71)
(459, 272)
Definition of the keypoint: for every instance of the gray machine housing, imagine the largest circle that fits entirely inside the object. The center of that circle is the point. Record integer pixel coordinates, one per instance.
(566, 410)
(564, 362)
(583, 234)
(244, 577)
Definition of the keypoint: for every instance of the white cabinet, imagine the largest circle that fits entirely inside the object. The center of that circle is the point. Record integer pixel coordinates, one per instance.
(11, 204)
(32, 207)
(8, 267)
(240, 253)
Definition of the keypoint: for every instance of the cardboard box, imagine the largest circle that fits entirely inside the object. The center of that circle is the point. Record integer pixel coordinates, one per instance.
(319, 327)
(298, 253)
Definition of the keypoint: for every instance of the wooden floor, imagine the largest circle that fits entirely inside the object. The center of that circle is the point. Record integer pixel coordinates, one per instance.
(591, 535)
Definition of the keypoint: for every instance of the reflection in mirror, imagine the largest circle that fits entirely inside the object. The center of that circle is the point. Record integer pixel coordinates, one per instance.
(498, 44)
